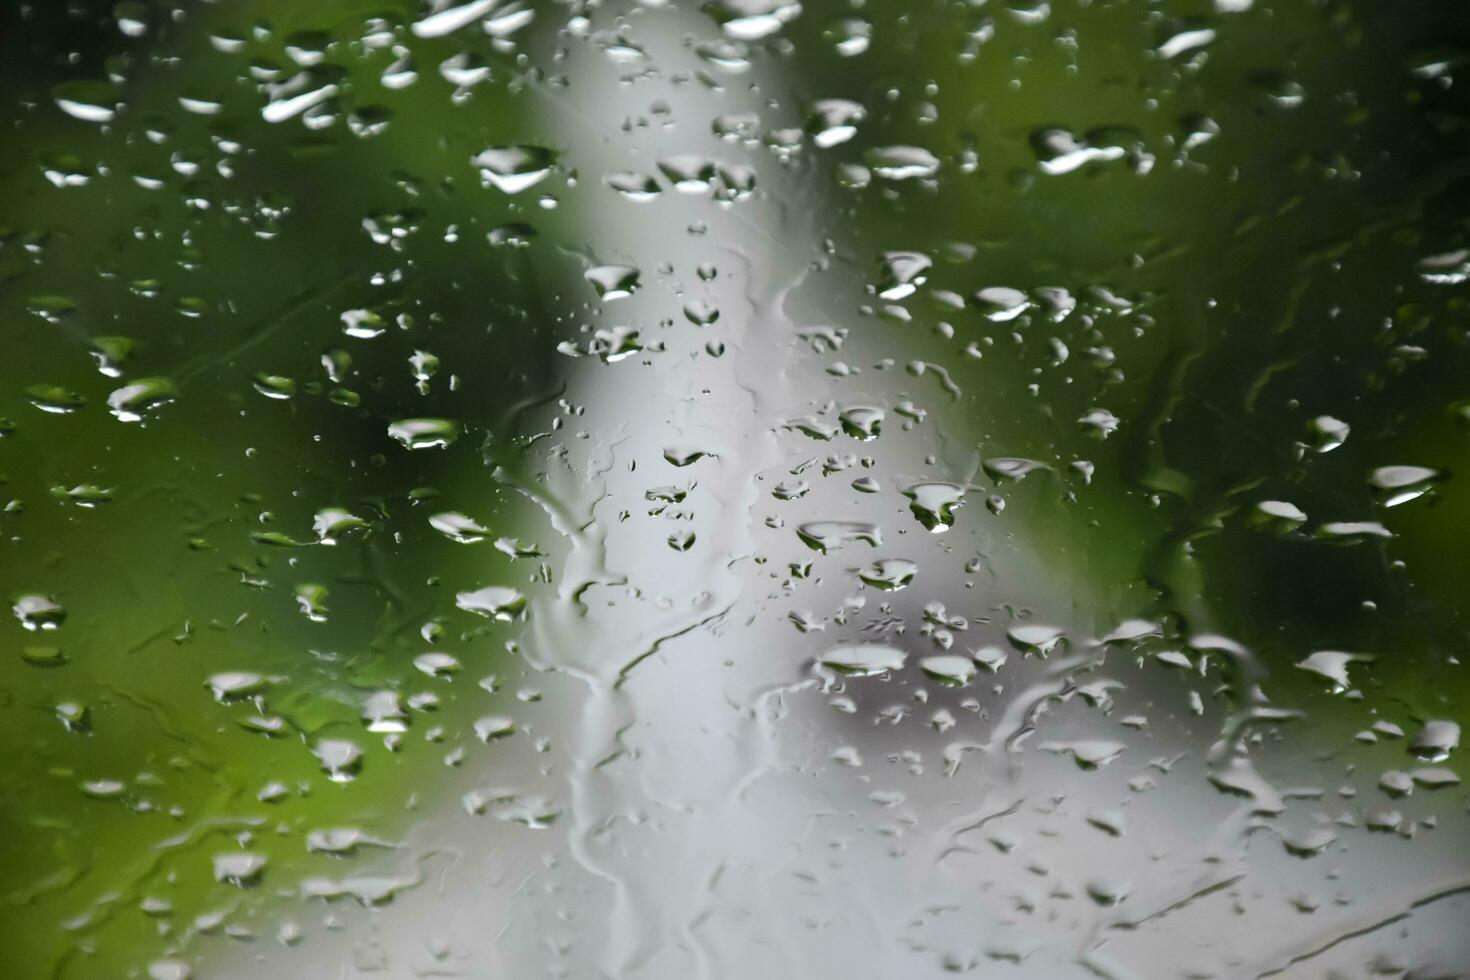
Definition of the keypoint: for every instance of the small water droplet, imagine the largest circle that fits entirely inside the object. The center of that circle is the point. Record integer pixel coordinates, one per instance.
(513, 169)
(424, 433)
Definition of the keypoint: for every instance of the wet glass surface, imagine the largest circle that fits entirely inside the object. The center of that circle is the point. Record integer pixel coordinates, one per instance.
(664, 490)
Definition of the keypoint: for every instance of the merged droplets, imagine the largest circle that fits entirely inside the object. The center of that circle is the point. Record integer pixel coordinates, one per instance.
(1059, 151)
(609, 345)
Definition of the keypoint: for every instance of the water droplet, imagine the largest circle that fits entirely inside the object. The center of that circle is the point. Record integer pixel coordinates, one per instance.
(448, 19)
(1331, 665)
(89, 101)
(240, 869)
(132, 402)
(491, 727)
(1100, 422)
(862, 422)
(55, 399)
(1401, 484)
(825, 536)
(494, 601)
(1035, 638)
(437, 664)
(1187, 39)
(613, 281)
(1001, 304)
(903, 273)
(1331, 433)
(1011, 468)
(934, 504)
(1352, 532)
(458, 527)
(1278, 515)
(950, 668)
(38, 612)
(890, 574)
(865, 659)
(340, 759)
(635, 187)
(701, 313)
(170, 970)
(1309, 842)
(683, 455)
(515, 548)
(235, 684)
(1059, 151)
(834, 121)
(1090, 753)
(901, 162)
(424, 433)
(513, 169)
(1436, 740)
(850, 36)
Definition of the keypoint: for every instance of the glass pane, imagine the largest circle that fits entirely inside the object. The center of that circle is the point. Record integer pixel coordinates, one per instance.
(652, 490)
